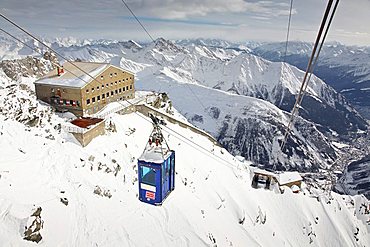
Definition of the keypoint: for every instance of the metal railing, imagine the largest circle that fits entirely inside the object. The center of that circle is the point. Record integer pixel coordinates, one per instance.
(73, 129)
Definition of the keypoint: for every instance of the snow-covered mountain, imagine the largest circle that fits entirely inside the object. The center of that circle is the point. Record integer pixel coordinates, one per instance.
(238, 98)
(278, 83)
(345, 68)
(246, 46)
(59, 193)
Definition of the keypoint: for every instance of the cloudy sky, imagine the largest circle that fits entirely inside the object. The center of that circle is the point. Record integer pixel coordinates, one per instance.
(234, 20)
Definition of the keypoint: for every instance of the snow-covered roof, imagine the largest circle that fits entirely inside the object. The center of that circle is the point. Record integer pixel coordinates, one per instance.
(295, 188)
(288, 177)
(263, 172)
(154, 154)
(72, 76)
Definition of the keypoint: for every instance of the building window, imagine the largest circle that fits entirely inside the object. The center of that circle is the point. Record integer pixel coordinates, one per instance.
(115, 82)
(119, 81)
(103, 96)
(120, 90)
(107, 85)
(78, 103)
(93, 99)
(123, 89)
(98, 97)
(102, 86)
(87, 90)
(111, 93)
(88, 101)
(111, 83)
(97, 88)
(110, 75)
(101, 77)
(116, 91)
(115, 74)
(71, 102)
(126, 87)
(130, 77)
(92, 89)
(130, 86)
(108, 95)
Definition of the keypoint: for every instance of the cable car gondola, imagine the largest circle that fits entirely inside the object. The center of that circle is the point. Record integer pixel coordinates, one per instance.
(156, 168)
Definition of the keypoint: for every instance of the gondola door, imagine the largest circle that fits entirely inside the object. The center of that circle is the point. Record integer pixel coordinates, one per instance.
(172, 171)
(166, 177)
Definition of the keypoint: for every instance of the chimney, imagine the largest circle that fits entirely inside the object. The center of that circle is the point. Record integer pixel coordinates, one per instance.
(60, 70)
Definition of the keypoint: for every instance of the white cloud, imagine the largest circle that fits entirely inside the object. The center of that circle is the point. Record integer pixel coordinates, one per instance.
(180, 9)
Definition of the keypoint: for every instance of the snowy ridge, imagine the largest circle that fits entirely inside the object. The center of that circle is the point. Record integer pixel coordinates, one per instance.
(88, 196)
(346, 68)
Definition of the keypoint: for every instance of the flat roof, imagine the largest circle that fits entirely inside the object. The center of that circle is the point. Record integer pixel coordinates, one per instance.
(85, 122)
(155, 154)
(263, 172)
(288, 177)
(74, 77)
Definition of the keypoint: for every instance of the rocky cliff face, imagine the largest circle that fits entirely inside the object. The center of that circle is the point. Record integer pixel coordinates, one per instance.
(356, 178)
(29, 66)
(259, 139)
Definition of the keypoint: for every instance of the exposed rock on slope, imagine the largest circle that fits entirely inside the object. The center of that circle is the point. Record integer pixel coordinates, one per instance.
(356, 178)
(29, 66)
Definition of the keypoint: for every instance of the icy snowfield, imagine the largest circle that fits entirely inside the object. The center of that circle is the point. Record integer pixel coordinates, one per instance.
(213, 203)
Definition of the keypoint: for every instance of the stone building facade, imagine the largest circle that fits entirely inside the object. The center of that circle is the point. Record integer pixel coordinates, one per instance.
(84, 88)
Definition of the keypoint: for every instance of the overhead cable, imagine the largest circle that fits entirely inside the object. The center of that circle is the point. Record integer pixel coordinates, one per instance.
(308, 70)
(287, 34)
(321, 45)
(150, 36)
(137, 19)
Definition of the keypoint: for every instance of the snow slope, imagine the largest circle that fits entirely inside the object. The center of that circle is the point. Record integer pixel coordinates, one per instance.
(88, 196)
(213, 203)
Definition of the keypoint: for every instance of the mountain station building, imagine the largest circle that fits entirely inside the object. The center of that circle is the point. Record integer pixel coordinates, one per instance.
(68, 88)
